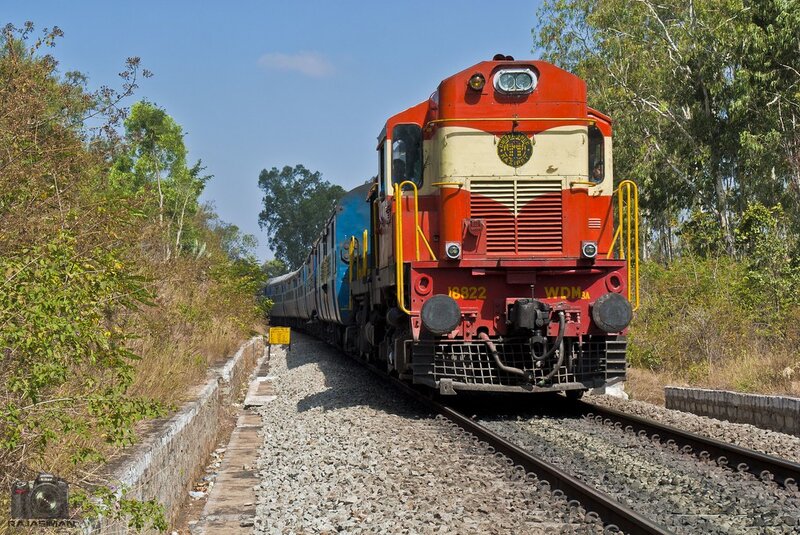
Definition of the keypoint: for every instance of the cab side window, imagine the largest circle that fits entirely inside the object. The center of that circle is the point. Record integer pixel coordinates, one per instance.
(407, 154)
(381, 165)
(597, 164)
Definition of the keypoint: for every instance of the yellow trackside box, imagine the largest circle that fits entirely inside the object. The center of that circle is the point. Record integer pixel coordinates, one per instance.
(279, 335)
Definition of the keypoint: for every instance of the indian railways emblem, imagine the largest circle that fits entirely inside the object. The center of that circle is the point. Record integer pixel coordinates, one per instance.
(515, 149)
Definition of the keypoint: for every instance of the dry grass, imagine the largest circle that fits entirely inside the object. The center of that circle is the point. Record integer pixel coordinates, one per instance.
(646, 385)
(774, 370)
(194, 326)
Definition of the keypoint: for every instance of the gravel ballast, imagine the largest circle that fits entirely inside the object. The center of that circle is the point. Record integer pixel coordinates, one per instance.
(344, 452)
(674, 489)
(745, 435)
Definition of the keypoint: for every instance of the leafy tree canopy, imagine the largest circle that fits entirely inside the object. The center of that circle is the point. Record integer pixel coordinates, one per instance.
(274, 268)
(705, 97)
(296, 205)
(154, 160)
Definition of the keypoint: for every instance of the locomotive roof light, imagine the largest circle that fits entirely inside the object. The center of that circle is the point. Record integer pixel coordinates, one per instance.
(477, 81)
(453, 250)
(515, 81)
(588, 249)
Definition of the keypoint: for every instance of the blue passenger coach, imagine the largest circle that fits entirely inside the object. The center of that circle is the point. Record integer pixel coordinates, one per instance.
(320, 288)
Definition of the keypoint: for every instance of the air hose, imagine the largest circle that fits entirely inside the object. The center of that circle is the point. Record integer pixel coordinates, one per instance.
(562, 323)
(555, 369)
(496, 357)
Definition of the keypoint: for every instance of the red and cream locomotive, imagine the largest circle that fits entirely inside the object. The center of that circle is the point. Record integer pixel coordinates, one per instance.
(482, 258)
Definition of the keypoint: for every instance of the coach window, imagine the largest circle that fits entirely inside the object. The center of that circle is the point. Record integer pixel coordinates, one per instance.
(597, 164)
(407, 154)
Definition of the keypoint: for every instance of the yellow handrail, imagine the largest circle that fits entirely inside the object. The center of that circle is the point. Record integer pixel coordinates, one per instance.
(584, 183)
(398, 238)
(351, 250)
(628, 216)
(398, 249)
(398, 188)
(364, 267)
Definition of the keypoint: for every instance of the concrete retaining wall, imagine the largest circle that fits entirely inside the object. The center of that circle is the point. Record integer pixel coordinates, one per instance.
(172, 452)
(777, 413)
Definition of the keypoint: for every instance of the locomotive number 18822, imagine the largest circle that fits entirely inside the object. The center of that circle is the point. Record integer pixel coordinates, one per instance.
(467, 292)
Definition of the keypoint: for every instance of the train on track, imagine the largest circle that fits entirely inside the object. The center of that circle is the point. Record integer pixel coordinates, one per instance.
(492, 251)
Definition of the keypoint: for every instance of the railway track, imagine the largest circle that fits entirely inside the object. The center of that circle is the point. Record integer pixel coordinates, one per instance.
(614, 514)
(611, 512)
(767, 467)
(592, 496)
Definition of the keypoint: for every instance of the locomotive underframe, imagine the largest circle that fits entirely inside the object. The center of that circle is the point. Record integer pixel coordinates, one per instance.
(451, 365)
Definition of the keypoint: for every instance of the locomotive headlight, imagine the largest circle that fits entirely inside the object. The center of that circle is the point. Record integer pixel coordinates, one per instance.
(588, 249)
(506, 82)
(440, 314)
(515, 81)
(523, 81)
(477, 81)
(453, 250)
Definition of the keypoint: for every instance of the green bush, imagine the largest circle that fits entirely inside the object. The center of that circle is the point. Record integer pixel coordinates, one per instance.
(116, 290)
(690, 316)
(64, 347)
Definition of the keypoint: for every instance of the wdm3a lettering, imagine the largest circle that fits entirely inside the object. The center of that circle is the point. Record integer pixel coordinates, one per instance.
(565, 292)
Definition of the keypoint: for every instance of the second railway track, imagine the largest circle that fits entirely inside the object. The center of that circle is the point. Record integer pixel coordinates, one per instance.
(768, 467)
(682, 492)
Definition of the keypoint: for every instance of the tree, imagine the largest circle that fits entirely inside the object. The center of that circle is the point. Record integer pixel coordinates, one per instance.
(236, 244)
(274, 268)
(296, 205)
(156, 154)
(704, 96)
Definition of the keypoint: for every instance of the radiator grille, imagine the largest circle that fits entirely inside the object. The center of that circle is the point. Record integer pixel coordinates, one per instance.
(523, 216)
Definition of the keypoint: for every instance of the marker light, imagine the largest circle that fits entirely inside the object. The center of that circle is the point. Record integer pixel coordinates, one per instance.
(477, 81)
(515, 81)
(453, 250)
(588, 249)
(507, 82)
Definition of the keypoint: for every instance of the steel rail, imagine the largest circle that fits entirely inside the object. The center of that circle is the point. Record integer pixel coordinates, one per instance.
(610, 511)
(781, 471)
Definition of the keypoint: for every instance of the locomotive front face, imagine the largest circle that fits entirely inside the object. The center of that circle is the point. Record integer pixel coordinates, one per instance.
(514, 186)
(522, 172)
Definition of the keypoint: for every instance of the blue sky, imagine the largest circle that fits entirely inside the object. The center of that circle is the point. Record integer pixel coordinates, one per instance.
(265, 84)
